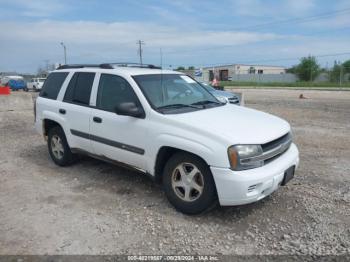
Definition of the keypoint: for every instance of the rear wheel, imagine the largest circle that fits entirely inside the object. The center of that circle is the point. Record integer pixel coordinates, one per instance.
(58, 147)
(188, 184)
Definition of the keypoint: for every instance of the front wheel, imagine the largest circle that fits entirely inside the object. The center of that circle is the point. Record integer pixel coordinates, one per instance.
(188, 184)
(58, 147)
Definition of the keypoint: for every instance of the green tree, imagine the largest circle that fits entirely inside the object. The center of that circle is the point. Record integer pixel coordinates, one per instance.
(180, 68)
(308, 69)
(346, 68)
(339, 71)
(335, 73)
(191, 68)
(292, 70)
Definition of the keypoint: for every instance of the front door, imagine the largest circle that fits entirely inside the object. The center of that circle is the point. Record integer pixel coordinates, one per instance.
(121, 138)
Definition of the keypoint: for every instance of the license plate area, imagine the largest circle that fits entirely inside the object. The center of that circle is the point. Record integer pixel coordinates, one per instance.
(288, 175)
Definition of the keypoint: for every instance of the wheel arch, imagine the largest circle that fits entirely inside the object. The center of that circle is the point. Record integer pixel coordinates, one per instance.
(49, 124)
(163, 155)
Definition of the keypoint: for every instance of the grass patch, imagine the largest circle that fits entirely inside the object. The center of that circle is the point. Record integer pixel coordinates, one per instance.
(281, 84)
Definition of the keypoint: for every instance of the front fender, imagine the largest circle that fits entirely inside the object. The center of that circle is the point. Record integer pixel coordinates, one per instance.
(213, 154)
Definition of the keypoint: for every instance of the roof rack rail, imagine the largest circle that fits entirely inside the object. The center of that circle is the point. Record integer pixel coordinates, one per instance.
(105, 66)
(127, 64)
(109, 66)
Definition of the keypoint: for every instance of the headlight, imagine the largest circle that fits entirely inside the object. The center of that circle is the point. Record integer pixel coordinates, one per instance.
(245, 156)
(222, 99)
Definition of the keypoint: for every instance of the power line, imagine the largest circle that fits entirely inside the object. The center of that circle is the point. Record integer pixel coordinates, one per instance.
(235, 45)
(269, 60)
(296, 20)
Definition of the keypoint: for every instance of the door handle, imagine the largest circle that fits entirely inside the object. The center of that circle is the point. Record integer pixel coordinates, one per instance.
(62, 111)
(97, 119)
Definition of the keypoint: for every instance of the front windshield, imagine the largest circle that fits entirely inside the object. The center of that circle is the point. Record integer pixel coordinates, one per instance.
(208, 87)
(170, 90)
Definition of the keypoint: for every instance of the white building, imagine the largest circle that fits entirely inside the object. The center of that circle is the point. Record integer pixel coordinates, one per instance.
(226, 72)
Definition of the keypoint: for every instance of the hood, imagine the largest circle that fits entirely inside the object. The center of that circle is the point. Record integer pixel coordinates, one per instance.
(234, 124)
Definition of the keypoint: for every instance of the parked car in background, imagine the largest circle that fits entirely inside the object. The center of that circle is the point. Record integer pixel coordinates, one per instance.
(14, 82)
(6, 79)
(223, 96)
(17, 84)
(36, 84)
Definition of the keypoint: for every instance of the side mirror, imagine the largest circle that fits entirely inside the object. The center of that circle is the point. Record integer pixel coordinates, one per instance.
(130, 109)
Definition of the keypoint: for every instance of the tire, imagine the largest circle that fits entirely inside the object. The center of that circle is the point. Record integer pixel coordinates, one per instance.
(58, 147)
(176, 188)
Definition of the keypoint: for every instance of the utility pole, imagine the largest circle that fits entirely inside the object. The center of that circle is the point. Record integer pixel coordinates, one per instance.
(140, 43)
(340, 75)
(161, 58)
(310, 72)
(47, 64)
(65, 52)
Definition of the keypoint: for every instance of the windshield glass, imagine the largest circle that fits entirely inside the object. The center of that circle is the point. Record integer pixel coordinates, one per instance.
(208, 87)
(172, 91)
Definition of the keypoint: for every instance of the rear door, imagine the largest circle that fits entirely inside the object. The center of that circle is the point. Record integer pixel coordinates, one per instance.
(76, 110)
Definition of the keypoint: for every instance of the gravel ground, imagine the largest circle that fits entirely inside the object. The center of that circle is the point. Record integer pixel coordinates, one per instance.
(97, 208)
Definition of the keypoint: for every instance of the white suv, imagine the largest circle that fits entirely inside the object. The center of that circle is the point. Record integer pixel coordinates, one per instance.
(36, 84)
(168, 126)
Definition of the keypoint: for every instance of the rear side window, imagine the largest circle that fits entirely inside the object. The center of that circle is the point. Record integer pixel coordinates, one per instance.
(52, 85)
(79, 88)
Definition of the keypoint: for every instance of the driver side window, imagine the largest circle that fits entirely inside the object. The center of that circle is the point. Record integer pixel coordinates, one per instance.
(113, 90)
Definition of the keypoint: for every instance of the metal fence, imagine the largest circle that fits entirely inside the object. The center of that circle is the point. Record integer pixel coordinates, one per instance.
(255, 77)
(265, 78)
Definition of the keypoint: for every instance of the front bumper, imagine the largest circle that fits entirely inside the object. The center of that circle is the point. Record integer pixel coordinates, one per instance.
(243, 187)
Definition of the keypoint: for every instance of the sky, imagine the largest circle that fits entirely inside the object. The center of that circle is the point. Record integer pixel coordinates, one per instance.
(186, 32)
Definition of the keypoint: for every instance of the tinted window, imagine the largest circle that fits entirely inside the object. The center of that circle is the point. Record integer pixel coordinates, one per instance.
(169, 89)
(113, 90)
(68, 96)
(53, 85)
(79, 88)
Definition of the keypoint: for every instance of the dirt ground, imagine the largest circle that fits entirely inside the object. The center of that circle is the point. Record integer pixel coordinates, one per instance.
(97, 208)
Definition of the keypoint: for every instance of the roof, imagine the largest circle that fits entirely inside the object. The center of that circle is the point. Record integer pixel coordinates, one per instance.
(120, 70)
(13, 77)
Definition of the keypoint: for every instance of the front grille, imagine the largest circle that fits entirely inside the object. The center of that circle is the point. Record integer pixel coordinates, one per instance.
(271, 150)
(275, 143)
(276, 148)
(233, 100)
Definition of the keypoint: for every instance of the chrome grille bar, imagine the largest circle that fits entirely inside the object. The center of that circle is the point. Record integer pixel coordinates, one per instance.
(278, 150)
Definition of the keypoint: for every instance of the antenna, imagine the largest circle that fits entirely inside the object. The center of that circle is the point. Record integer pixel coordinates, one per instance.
(140, 43)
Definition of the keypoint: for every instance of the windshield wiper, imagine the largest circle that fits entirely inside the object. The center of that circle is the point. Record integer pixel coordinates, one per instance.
(205, 102)
(178, 106)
